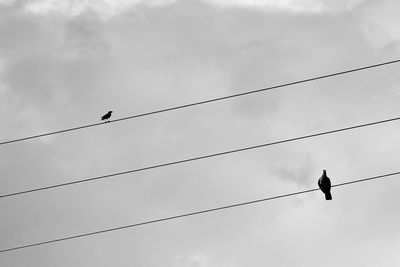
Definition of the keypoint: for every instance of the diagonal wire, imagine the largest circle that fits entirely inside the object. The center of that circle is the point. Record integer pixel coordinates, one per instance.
(201, 102)
(200, 157)
(191, 214)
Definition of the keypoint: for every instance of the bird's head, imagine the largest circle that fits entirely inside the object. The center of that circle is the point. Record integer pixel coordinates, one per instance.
(110, 111)
(324, 171)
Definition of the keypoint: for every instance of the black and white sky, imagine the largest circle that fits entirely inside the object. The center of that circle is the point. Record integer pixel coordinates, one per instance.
(65, 63)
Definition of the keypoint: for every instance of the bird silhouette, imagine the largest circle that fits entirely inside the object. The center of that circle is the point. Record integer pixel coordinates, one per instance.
(106, 117)
(324, 184)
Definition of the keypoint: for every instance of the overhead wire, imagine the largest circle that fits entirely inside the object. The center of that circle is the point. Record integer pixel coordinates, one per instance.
(190, 214)
(200, 102)
(201, 157)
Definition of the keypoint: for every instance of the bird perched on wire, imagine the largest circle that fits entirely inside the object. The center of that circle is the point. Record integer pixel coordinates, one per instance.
(324, 184)
(106, 117)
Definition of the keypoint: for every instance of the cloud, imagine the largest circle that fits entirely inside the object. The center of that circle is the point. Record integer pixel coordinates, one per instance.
(194, 260)
(61, 72)
(86, 36)
(7, 2)
(299, 172)
(110, 8)
(380, 21)
(290, 5)
(105, 8)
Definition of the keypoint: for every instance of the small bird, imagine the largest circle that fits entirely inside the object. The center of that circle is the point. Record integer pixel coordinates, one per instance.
(324, 184)
(106, 117)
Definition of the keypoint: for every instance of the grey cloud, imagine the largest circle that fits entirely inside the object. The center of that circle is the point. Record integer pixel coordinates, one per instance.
(85, 37)
(302, 173)
(60, 72)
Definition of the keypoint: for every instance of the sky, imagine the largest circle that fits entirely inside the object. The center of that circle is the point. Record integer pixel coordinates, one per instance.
(65, 63)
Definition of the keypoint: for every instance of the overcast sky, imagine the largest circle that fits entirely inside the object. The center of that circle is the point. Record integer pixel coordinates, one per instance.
(65, 63)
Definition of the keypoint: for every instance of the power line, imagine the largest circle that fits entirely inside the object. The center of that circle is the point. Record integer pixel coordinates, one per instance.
(202, 102)
(200, 157)
(191, 214)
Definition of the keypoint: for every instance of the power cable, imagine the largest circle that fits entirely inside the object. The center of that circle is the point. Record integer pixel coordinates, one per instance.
(191, 214)
(201, 102)
(200, 157)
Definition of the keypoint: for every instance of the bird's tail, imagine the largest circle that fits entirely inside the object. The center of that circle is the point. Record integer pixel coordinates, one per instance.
(328, 196)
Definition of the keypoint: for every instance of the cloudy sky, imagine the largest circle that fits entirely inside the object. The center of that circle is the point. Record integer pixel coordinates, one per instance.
(65, 63)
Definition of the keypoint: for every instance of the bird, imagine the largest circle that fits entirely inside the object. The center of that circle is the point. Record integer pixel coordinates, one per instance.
(106, 116)
(324, 184)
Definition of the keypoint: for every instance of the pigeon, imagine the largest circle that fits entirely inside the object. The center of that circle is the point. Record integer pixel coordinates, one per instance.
(324, 184)
(106, 117)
